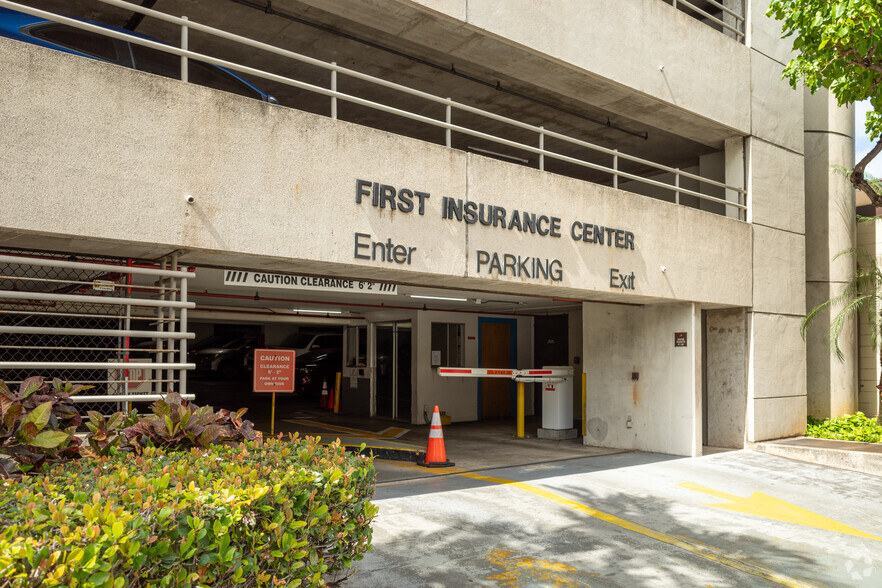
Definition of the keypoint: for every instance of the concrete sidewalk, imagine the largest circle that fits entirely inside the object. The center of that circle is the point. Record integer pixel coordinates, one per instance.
(471, 445)
(848, 455)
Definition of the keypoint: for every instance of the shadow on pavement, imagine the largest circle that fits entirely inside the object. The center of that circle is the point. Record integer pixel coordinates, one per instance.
(479, 540)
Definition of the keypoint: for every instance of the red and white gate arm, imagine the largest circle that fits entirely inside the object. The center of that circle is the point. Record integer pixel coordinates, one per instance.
(548, 375)
(527, 375)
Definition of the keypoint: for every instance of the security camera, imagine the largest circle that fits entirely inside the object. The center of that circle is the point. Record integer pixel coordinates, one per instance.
(663, 269)
(190, 199)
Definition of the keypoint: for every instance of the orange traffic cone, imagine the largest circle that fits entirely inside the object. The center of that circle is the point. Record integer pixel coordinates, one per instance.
(330, 404)
(323, 403)
(435, 456)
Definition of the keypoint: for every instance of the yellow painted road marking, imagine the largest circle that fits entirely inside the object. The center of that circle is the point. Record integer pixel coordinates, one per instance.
(769, 507)
(520, 570)
(704, 551)
(699, 549)
(388, 433)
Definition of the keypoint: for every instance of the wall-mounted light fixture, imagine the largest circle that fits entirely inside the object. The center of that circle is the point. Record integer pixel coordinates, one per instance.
(439, 298)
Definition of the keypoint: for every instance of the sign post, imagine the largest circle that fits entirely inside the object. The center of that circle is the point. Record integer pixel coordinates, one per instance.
(274, 372)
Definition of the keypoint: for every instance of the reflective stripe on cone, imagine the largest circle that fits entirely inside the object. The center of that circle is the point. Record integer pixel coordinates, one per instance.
(436, 456)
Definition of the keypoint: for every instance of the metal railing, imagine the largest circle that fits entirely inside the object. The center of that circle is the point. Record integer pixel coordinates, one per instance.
(738, 195)
(729, 20)
(73, 320)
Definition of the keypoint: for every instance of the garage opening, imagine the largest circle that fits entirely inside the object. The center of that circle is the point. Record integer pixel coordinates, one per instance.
(376, 344)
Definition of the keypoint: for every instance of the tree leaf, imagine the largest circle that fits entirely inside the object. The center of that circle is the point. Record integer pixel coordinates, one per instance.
(50, 439)
(30, 386)
(39, 416)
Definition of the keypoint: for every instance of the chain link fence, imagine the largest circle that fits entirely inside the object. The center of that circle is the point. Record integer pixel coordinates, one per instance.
(84, 319)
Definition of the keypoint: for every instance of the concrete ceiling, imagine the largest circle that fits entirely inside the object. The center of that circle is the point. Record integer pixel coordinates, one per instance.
(407, 47)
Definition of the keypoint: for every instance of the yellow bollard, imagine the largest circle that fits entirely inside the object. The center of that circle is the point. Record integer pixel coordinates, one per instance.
(337, 394)
(584, 407)
(520, 410)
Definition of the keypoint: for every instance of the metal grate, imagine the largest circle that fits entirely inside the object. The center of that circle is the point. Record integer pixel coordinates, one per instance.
(84, 319)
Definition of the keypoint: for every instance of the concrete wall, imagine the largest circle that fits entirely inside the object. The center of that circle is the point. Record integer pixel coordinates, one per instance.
(606, 52)
(776, 369)
(869, 239)
(726, 348)
(664, 403)
(266, 179)
(830, 217)
(577, 359)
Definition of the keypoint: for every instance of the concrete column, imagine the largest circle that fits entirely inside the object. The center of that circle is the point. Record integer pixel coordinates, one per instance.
(776, 366)
(726, 372)
(830, 221)
(734, 150)
(644, 377)
(869, 239)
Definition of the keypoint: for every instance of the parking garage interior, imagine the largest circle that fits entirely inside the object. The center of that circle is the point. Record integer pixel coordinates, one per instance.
(386, 345)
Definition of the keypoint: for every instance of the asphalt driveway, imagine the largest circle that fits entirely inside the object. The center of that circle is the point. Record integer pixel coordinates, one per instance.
(630, 519)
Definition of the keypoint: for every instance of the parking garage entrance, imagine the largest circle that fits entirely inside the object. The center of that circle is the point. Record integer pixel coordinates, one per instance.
(385, 340)
(378, 343)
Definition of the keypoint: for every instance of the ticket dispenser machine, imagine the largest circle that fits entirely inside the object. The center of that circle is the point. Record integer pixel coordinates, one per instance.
(557, 408)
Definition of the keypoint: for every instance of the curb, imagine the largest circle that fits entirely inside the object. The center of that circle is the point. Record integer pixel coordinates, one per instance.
(390, 453)
(849, 457)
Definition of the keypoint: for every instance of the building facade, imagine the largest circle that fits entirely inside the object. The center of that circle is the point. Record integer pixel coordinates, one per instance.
(625, 187)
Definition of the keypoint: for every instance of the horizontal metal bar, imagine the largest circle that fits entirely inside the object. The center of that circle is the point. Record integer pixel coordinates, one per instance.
(87, 382)
(127, 398)
(87, 315)
(79, 264)
(89, 299)
(76, 348)
(368, 78)
(726, 9)
(362, 102)
(86, 283)
(95, 332)
(710, 16)
(91, 365)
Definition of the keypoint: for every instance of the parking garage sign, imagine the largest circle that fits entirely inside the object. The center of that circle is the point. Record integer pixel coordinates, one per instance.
(315, 283)
(274, 370)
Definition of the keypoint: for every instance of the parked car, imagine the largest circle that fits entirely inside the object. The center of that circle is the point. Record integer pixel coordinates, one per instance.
(62, 37)
(303, 342)
(223, 354)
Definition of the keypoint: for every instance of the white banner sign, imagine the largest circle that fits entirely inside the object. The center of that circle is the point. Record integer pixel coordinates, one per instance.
(291, 282)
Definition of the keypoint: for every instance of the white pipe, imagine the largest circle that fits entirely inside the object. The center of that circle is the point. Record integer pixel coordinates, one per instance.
(91, 365)
(95, 332)
(89, 266)
(85, 298)
(129, 398)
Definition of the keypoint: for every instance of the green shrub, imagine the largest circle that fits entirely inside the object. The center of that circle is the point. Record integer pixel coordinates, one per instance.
(851, 427)
(37, 424)
(265, 513)
(178, 423)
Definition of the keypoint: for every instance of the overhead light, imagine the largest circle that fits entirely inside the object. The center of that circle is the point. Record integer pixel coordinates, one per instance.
(317, 311)
(439, 298)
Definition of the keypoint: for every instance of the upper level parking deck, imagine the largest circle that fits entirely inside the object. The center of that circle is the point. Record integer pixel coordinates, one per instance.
(603, 92)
